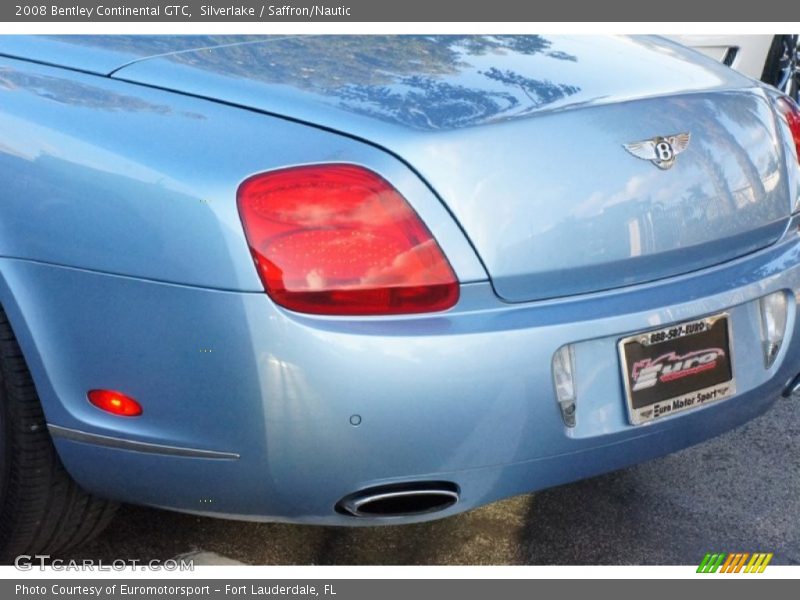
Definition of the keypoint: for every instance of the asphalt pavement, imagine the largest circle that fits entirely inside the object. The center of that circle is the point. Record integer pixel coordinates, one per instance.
(738, 492)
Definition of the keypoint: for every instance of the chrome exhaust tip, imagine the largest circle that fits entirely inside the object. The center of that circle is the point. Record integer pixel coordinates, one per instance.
(400, 500)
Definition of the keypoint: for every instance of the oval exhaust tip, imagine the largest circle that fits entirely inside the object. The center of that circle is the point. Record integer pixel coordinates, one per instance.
(400, 500)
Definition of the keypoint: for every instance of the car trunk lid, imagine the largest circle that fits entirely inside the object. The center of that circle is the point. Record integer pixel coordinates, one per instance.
(557, 206)
(523, 139)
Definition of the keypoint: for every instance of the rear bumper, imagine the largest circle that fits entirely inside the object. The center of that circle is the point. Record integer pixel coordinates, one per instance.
(245, 490)
(464, 397)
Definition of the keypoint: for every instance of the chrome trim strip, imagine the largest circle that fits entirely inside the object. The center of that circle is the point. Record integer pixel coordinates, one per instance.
(122, 444)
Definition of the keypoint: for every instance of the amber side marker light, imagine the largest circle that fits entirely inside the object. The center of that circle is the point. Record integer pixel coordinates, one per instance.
(115, 403)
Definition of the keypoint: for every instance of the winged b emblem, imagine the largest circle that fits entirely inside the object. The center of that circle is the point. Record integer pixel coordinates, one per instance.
(660, 150)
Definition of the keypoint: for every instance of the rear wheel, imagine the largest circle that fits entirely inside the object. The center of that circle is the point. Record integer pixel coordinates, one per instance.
(782, 68)
(42, 510)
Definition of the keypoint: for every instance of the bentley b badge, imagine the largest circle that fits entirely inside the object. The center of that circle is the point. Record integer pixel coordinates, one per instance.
(661, 151)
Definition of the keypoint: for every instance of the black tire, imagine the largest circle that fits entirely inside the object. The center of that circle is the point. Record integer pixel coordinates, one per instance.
(42, 510)
(782, 68)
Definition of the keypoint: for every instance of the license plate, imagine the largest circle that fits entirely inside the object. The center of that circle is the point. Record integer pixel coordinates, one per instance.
(681, 367)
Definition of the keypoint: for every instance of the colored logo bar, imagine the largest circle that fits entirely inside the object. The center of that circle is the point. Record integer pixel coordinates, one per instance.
(739, 562)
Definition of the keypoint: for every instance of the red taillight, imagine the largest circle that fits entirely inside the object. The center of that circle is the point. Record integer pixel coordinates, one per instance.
(340, 240)
(791, 113)
(115, 403)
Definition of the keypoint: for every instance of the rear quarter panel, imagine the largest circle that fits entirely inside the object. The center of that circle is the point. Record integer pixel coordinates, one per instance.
(113, 177)
(105, 178)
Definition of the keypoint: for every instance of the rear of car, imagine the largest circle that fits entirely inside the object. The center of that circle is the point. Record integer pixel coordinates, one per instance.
(374, 280)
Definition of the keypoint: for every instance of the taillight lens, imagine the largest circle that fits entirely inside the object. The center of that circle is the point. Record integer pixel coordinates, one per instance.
(791, 113)
(340, 240)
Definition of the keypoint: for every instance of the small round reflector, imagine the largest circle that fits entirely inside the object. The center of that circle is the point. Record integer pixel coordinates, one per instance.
(115, 403)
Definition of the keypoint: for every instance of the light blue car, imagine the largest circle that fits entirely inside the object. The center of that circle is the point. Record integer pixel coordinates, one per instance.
(368, 280)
